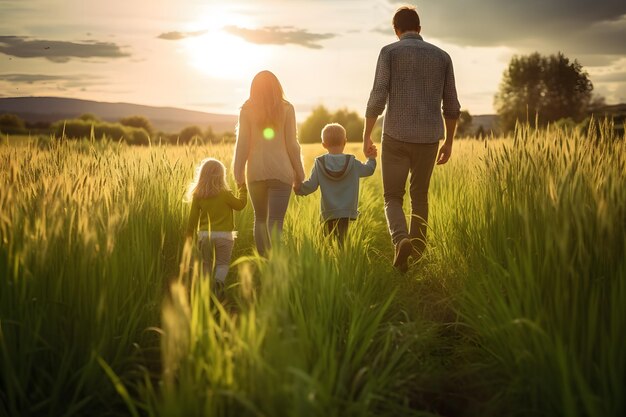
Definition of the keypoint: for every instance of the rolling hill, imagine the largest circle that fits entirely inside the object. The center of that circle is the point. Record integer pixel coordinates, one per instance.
(168, 119)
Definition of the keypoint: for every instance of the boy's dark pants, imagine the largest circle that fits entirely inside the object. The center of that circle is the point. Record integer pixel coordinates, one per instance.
(337, 228)
(398, 160)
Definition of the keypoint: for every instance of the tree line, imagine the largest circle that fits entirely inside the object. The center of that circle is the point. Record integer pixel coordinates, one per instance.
(134, 130)
(534, 89)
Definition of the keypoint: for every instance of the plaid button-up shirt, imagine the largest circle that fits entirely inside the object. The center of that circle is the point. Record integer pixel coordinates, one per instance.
(413, 79)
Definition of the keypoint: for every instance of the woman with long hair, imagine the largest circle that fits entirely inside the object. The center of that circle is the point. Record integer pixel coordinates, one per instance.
(267, 146)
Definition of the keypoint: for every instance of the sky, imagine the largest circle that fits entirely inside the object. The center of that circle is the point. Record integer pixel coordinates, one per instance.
(202, 54)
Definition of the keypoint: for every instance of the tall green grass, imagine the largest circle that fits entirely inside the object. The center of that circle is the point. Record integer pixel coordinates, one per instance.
(546, 300)
(516, 309)
(89, 236)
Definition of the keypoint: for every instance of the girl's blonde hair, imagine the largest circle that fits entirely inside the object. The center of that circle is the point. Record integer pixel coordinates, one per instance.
(209, 181)
(266, 99)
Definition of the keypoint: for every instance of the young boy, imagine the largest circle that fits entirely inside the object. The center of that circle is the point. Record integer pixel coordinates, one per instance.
(337, 175)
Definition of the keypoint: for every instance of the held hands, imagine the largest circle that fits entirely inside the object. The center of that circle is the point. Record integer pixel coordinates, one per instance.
(296, 185)
(372, 152)
(369, 149)
(444, 153)
(297, 182)
(240, 178)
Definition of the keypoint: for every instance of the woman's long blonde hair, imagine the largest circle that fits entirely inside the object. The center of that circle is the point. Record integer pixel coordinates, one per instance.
(209, 181)
(266, 100)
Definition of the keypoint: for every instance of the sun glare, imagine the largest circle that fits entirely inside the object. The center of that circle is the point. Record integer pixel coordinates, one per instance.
(220, 54)
(268, 133)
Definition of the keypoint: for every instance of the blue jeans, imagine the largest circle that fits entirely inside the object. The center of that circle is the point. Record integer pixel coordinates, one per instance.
(270, 199)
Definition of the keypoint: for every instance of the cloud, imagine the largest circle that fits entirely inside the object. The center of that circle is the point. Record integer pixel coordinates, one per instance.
(578, 27)
(58, 51)
(590, 60)
(613, 77)
(76, 80)
(383, 30)
(30, 78)
(280, 35)
(176, 36)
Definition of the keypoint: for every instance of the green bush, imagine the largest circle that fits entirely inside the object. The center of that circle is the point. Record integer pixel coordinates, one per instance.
(190, 133)
(12, 124)
(79, 129)
(139, 122)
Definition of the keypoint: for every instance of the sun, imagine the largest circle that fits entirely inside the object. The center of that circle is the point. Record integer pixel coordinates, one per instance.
(219, 54)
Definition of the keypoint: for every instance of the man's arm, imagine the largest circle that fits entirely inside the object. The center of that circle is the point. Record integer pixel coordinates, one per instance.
(377, 100)
(368, 144)
(451, 112)
(446, 148)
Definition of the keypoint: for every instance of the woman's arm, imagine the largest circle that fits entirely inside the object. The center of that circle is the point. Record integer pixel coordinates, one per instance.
(293, 147)
(310, 185)
(242, 148)
(238, 203)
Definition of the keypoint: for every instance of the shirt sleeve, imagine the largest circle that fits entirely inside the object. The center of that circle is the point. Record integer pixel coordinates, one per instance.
(293, 147)
(311, 184)
(194, 217)
(380, 90)
(238, 203)
(451, 106)
(242, 147)
(366, 169)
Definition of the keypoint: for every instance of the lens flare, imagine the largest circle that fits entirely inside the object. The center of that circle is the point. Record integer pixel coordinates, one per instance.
(268, 133)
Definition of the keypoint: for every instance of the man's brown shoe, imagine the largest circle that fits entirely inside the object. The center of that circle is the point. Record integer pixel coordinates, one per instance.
(404, 249)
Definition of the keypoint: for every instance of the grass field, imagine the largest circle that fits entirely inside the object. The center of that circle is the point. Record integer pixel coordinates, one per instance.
(517, 309)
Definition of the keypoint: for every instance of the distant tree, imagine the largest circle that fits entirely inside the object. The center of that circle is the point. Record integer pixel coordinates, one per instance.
(351, 121)
(190, 133)
(311, 128)
(139, 122)
(39, 125)
(480, 132)
(210, 135)
(161, 137)
(229, 137)
(547, 87)
(89, 117)
(464, 124)
(11, 121)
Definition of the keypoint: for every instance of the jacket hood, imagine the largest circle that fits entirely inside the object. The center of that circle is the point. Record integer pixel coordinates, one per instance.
(335, 168)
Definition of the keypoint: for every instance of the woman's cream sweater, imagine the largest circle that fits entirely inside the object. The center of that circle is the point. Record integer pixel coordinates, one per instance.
(266, 159)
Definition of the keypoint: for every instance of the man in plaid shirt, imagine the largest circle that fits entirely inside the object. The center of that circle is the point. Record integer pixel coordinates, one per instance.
(415, 81)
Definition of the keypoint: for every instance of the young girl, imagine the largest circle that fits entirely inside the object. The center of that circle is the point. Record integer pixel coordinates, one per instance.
(212, 204)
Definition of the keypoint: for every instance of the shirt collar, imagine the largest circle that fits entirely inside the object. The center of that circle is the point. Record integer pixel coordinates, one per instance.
(411, 35)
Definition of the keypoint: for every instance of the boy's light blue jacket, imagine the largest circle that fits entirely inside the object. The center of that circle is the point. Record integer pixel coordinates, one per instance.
(337, 176)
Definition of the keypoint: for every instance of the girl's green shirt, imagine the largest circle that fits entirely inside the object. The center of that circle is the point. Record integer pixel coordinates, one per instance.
(215, 214)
